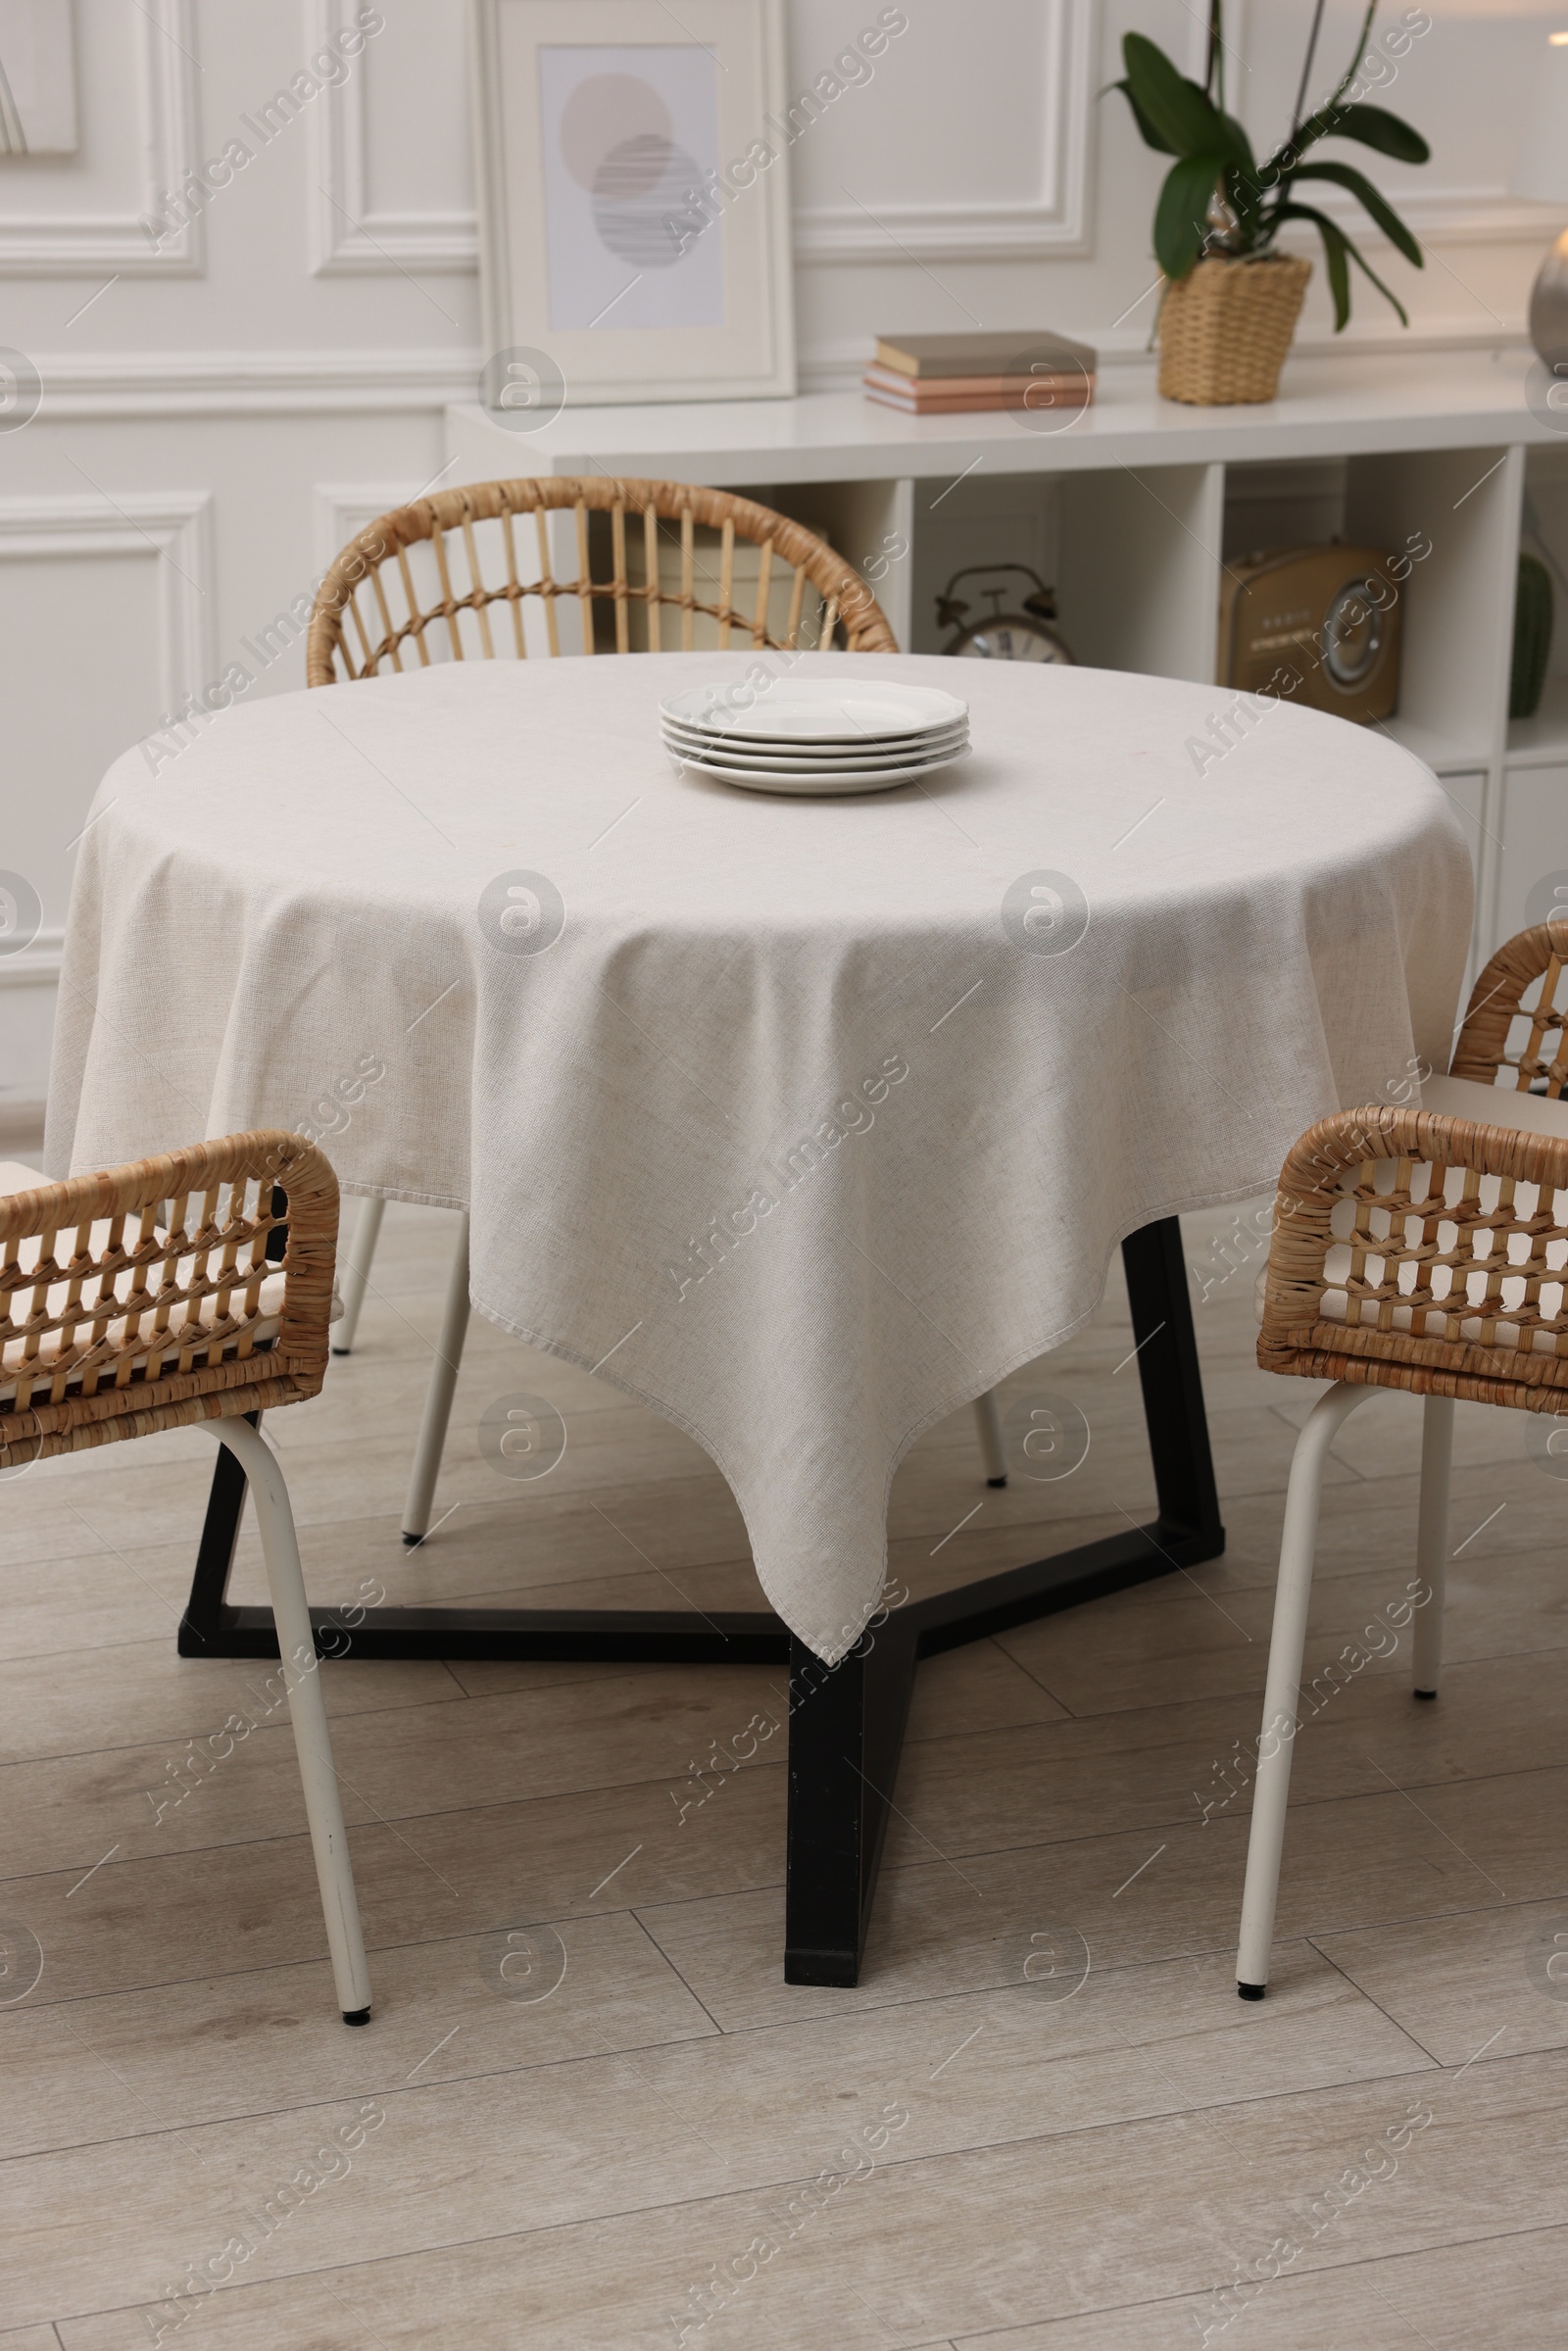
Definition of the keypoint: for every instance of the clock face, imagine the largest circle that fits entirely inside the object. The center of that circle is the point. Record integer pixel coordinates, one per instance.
(1007, 640)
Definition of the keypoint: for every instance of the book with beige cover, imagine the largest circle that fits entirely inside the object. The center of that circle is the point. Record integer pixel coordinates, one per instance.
(926, 358)
(927, 375)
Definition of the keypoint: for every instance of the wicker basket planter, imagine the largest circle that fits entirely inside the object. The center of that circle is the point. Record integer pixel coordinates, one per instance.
(1225, 329)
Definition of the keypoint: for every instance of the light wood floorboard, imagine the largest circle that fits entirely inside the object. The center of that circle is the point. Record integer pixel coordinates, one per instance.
(1042, 2120)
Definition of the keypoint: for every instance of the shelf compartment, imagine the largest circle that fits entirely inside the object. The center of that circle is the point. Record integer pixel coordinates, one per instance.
(1541, 741)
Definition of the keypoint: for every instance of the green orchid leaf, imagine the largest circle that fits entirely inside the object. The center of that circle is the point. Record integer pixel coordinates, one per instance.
(1188, 122)
(1337, 248)
(1367, 272)
(1366, 195)
(1305, 135)
(1239, 150)
(1375, 127)
(1244, 192)
(1180, 225)
(1151, 136)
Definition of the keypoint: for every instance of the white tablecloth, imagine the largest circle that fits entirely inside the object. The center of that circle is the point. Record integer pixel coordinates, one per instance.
(909, 1118)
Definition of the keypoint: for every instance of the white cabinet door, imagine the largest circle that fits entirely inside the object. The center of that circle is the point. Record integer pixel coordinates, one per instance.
(1532, 851)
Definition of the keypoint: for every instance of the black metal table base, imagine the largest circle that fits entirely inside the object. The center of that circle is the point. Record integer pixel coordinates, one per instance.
(846, 1722)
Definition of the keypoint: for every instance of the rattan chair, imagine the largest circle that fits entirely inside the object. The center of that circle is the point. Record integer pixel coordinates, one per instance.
(145, 1297)
(1426, 1250)
(402, 595)
(398, 587)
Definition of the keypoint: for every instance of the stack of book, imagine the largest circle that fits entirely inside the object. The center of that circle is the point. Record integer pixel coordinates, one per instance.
(949, 375)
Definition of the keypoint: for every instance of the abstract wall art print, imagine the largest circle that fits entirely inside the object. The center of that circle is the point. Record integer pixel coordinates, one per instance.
(634, 205)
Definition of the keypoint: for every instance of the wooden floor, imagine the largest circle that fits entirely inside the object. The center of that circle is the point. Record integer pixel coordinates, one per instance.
(979, 2146)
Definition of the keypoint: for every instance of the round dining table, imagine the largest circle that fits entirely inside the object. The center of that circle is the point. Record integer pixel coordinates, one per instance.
(803, 1120)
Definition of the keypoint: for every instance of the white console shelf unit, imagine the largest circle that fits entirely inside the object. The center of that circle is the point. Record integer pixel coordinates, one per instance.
(1131, 508)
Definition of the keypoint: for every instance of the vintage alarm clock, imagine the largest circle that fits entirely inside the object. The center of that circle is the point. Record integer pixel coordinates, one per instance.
(1317, 625)
(1029, 635)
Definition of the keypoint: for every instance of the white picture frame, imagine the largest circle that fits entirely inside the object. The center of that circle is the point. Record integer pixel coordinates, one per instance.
(37, 78)
(597, 121)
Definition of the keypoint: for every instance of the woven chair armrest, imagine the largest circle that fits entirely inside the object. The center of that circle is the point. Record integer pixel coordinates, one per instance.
(1315, 1165)
(290, 1160)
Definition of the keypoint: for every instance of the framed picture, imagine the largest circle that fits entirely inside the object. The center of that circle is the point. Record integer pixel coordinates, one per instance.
(634, 201)
(37, 78)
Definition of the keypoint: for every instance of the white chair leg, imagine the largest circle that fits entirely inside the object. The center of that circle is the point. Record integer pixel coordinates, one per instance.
(296, 1645)
(1432, 1540)
(1283, 1691)
(357, 1272)
(438, 1397)
(988, 1420)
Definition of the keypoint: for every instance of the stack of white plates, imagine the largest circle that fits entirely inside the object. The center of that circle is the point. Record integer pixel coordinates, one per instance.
(815, 734)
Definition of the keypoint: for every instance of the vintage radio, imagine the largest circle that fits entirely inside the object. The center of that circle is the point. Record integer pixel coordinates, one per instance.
(1318, 626)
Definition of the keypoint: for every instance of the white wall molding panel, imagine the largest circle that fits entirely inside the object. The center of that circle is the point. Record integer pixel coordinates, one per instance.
(112, 592)
(1052, 44)
(853, 199)
(350, 235)
(172, 526)
(218, 383)
(148, 100)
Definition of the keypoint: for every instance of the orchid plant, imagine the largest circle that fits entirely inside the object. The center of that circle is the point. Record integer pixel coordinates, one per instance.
(1217, 199)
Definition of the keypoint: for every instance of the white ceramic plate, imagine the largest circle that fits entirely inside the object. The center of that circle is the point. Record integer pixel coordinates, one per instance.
(826, 746)
(808, 710)
(942, 733)
(817, 786)
(800, 762)
(791, 763)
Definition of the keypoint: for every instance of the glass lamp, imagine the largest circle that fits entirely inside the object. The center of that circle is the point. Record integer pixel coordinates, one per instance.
(1542, 174)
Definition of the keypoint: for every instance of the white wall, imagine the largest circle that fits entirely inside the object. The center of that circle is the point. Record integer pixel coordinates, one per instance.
(218, 414)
